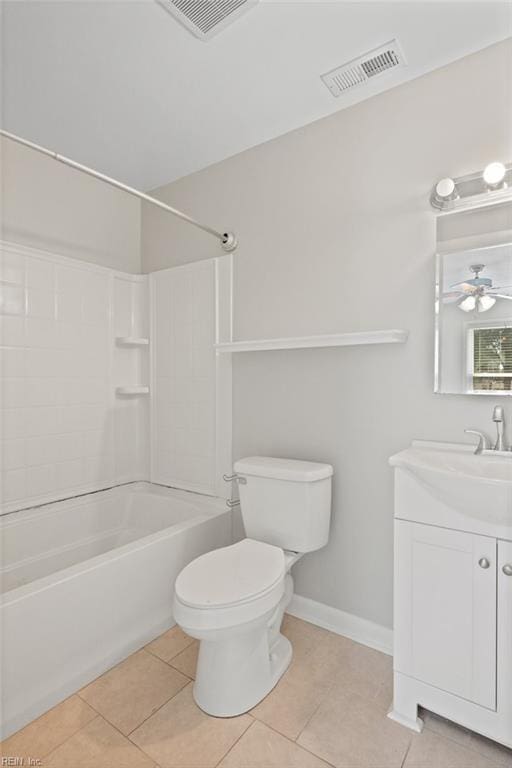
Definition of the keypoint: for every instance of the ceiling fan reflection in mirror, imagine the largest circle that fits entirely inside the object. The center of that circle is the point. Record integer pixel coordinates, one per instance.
(477, 294)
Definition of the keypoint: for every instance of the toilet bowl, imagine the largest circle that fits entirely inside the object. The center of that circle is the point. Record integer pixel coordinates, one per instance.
(233, 599)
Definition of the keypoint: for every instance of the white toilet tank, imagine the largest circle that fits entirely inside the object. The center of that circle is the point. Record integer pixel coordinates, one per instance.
(285, 502)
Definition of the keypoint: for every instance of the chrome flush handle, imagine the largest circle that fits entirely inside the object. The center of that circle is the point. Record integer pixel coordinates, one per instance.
(231, 478)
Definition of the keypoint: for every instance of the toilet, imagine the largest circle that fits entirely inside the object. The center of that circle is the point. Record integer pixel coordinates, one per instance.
(233, 599)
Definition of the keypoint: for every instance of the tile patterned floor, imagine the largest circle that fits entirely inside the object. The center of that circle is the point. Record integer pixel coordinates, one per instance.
(329, 709)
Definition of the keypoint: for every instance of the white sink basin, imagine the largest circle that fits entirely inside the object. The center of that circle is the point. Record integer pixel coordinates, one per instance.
(479, 486)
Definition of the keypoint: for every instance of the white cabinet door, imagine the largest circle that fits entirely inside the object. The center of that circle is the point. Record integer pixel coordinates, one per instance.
(445, 610)
(504, 665)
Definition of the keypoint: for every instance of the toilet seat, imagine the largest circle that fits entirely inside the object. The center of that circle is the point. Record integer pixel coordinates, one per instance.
(231, 575)
(229, 586)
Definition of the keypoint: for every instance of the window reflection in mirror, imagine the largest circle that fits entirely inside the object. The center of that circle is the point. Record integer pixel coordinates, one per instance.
(474, 321)
(490, 358)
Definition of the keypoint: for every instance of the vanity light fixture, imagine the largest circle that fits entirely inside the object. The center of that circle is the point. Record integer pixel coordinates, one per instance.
(445, 187)
(476, 190)
(445, 190)
(494, 175)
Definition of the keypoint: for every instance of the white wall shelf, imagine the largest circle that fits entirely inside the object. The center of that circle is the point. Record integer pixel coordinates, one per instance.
(132, 341)
(132, 390)
(394, 336)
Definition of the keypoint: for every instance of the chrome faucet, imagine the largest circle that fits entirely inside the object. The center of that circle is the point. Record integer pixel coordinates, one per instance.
(483, 442)
(498, 416)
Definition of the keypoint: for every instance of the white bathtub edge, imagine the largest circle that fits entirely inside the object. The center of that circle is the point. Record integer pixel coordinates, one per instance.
(74, 685)
(72, 571)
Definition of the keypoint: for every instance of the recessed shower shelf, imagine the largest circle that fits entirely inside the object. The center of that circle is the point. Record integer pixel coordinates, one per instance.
(132, 390)
(132, 341)
(394, 336)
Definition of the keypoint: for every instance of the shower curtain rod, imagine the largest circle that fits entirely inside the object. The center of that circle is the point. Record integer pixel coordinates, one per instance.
(227, 239)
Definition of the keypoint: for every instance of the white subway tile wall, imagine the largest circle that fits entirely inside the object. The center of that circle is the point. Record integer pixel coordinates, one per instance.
(184, 377)
(63, 431)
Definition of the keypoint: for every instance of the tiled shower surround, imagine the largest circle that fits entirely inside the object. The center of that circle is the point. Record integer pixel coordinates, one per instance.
(64, 431)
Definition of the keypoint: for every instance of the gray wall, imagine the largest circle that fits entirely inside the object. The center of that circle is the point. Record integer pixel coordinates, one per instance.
(50, 206)
(336, 234)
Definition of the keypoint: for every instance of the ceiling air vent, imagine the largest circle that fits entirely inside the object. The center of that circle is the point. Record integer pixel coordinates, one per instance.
(364, 68)
(204, 18)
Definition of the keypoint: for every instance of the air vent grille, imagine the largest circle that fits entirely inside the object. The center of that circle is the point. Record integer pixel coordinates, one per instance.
(205, 18)
(364, 68)
(379, 63)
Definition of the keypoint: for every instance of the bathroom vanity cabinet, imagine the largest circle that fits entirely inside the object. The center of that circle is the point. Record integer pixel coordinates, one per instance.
(453, 589)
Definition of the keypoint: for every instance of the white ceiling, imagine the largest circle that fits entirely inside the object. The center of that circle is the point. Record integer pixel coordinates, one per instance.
(119, 85)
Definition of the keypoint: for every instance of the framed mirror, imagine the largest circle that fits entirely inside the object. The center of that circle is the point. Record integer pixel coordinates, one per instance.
(473, 313)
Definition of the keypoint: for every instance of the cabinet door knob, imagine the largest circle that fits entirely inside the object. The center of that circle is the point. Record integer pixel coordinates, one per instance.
(484, 562)
(507, 569)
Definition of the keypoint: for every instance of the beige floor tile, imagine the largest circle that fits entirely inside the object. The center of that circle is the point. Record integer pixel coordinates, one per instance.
(261, 747)
(497, 753)
(304, 637)
(50, 730)
(384, 696)
(289, 706)
(351, 732)
(180, 735)
(186, 661)
(98, 745)
(130, 692)
(430, 749)
(170, 644)
(366, 672)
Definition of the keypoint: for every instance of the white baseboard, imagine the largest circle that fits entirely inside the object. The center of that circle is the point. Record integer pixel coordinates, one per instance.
(342, 623)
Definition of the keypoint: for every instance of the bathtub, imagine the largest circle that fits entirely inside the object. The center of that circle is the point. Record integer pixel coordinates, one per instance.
(87, 581)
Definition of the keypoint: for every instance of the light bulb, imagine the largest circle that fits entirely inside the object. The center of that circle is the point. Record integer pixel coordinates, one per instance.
(445, 188)
(468, 304)
(484, 303)
(494, 174)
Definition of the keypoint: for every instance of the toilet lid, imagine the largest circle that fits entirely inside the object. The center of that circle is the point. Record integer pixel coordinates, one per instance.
(231, 575)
